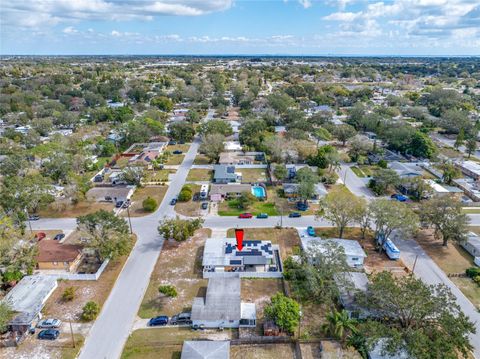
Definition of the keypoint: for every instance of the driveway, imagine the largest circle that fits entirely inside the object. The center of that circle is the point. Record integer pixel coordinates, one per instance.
(427, 270)
(356, 185)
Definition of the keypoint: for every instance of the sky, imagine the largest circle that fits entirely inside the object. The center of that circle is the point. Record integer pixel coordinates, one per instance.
(240, 27)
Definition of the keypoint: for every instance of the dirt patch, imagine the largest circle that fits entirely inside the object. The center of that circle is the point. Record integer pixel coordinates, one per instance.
(61, 209)
(263, 351)
(333, 350)
(311, 350)
(179, 264)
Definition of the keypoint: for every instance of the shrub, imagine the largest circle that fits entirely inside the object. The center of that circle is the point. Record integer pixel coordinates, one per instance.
(69, 294)
(382, 164)
(90, 311)
(476, 279)
(168, 290)
(185, 195)
(149, 204)
(472, 272)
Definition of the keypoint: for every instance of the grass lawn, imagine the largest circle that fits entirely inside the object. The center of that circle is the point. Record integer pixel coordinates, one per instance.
(178, 147)
(157, 175)
(179, 264)
(286, 238)
(229, 208)
(284, 205)
(166, 343)
(358, 171)
(201, 160)
(251, 175)
(70, 352)
(197, 174)
(452, 259)
(175, 159)
(136, 209)
(61, 209)
(190, 208)
(262, 351)
(471, 210)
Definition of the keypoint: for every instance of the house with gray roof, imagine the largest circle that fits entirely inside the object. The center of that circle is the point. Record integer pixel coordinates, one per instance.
(206, 349)
(405, 170)
(350, 284)
(472, 246)
(225, 174)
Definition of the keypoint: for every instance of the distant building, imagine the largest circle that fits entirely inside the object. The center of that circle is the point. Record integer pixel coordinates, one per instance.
(470, 168)
(291, 190)
(206, 349)
(353, 251)
(440, 190)
(236, 158)
(405, 170)
(232, 146)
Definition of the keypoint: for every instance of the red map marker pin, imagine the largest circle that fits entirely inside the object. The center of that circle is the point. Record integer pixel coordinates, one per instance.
(239, 237)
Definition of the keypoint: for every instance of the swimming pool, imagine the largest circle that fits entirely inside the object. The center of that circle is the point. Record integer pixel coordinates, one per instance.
(258, 191)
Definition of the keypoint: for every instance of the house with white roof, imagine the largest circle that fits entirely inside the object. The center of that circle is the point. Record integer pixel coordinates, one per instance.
(354, 252)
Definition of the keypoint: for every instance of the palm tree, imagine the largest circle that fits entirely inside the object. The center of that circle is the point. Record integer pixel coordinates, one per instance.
(339, 324)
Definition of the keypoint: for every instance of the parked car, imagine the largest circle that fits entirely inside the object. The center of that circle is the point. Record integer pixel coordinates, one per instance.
(399, 197)
(302, 206)
(158, 321)
(172, 142)
(119, 204)
(98, 178)
(48, 334)
(311, 231)
(181, 142)
(294, 215)
(262, 215)
(198, 327)
(177, 152)
(245, 215)
(126, 204)
(108, 198)
(59, 237)
(181, 318)
(39, 236)
(49, 323)
(204, 205)
(173, 202)
(33, 217)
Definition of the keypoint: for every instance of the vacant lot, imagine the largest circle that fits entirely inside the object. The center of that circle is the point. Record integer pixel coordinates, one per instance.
(179, 265)
(252, 175)
(333, 350)
(136, 209)
(157, 176)
(311, 350)
(286, 238)
(60, 209)
(283, 205)
(190, 208)
(201, 160)
(263, 351)
(198, 174)
(166, 343)
(452, 259)
(175, 159)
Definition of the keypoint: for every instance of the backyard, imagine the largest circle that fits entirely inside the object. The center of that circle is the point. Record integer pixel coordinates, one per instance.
(253, 175)
(262, 351)
(179, 264)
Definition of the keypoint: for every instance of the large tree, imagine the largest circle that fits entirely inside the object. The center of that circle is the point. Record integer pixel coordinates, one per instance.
(344, 132)
(445, 214)
(284, 311)
(179, 229)
(212, 145)
(422, 319)
(106, 233)
(306, 179)
(182, 131)
(383, 180)
(216, 126)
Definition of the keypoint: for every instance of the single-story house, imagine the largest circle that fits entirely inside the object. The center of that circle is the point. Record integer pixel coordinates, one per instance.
(220, 255)
(469, 168)
(405, 170)
(353, 250)
(232, 146)
(236, 158)
(219, 192)
(118, 193)
(222, 307)
(53, 255)
(293, 168)
(291, 190)
(27, 298)
(225, 174)
(349, 285)
(206, 349)
(472, 246)
(443, 189)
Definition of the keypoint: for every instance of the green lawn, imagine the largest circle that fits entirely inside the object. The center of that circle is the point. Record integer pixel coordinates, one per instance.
(197, 174)
(357, 171)
(175, 159)
(157, 175)
(471, 210)
(252, 175)
(229, 208)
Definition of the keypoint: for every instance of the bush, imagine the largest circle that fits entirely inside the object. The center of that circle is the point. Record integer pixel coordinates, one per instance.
(284, 311)
(90, 311)
(472, 272)
(69, 294)
(185, 195)
(168, 290)
(476, 279)
(382, 164)
(149, 204)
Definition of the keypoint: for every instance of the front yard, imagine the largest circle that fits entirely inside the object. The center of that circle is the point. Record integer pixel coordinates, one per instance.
(179, 264)
(157, 175)
(230, 208)
(198, 174)
(61, 209)
(136, 208)
(190, 208)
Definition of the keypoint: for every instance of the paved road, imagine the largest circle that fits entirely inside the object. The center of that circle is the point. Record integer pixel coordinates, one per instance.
(111, 329)
(355, 184)
(442, 140)
(430, 273)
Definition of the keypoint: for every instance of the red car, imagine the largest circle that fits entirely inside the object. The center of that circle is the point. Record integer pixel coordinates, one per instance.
(39, 236)
(245, 215)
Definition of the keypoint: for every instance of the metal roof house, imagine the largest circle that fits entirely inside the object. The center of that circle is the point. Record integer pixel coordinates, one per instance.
(349, 285)
(222, 307)
(206, 349)
(405, 170)
(257, 259)
(472, 246)
(353, 251)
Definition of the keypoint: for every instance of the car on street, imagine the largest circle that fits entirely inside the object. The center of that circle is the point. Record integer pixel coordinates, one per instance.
(177, 152)
(399, 197)
(49, 323)
(158, 321)
(48, 334)
(262, 215)
(181, 318)
(311, 231)
(204, 205)
(245, 215)
(33, 217)
(173, 202)
(59, 237)
(119, 204)
(172, 142)
(40, 235)
(294, 215)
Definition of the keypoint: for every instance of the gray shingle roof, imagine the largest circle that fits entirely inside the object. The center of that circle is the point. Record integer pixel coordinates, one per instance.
(205, 349)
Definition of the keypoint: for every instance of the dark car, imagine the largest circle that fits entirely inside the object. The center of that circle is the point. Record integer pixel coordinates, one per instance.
(177, 152)
(119, 204)
(182, 318)
(48, 334)
(302, 206)
(181, 142)
(173, 202)
(262, 215)
(198, 327)
(157, 321)
(204, 205)
(98, 178)
(59, 237)
(172, 142)
(245, 215)
(33, 217)
(294, 215)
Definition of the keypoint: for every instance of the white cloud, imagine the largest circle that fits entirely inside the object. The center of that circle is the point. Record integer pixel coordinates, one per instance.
(305, 3)
(70, 30)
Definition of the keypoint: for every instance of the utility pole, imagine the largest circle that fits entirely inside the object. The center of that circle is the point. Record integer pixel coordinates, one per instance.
(129, 221)
(29, 222)
(71, 332)
(414, 264)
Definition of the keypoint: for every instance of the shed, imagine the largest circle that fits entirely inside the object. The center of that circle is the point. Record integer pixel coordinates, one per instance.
(206, 349)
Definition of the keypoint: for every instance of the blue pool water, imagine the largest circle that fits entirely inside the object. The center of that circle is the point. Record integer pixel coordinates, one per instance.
(258, 192)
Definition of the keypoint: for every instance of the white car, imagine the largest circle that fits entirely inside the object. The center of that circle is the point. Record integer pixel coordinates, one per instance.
(49, 323)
